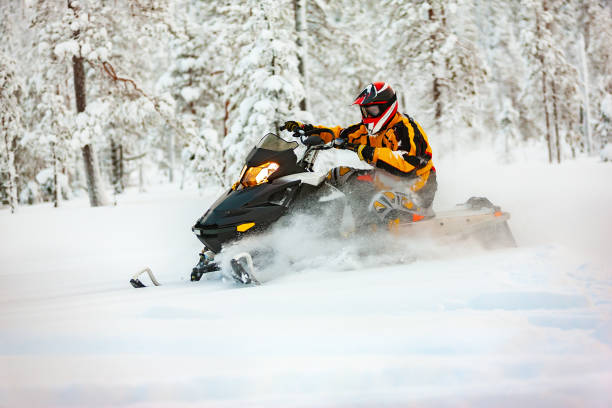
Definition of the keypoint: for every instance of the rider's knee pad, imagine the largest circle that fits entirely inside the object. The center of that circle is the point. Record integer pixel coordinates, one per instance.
(395, 207)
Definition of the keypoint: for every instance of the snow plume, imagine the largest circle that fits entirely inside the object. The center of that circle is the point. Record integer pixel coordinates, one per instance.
(307, 242)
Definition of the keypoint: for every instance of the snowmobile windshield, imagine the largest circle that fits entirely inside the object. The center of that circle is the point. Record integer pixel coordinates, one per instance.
(274, 143)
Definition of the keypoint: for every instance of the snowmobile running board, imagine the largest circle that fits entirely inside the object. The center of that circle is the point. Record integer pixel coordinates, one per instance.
(138, 284)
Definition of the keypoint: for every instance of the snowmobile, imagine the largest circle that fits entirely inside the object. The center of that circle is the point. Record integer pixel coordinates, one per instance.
(275, 182)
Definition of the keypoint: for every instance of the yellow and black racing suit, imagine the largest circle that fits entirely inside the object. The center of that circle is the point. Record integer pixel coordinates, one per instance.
(401, 150)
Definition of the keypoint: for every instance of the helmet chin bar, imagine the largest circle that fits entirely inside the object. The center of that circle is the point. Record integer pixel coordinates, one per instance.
(370, 127)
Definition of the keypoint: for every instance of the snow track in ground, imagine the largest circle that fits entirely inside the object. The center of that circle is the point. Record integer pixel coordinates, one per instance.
(529, 326)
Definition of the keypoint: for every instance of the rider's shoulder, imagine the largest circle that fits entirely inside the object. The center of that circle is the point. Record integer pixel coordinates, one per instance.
(400, 121)
(406, 118)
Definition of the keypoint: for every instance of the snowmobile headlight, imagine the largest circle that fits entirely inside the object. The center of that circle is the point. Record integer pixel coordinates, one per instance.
(255, 176)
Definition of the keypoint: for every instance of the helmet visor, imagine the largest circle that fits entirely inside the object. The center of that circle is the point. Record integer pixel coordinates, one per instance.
(372, 111)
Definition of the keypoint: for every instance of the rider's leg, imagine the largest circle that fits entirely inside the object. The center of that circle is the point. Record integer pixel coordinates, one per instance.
(359, 187)
(392, 207)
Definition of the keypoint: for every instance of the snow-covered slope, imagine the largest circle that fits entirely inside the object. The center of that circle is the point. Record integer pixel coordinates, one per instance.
(529, 326)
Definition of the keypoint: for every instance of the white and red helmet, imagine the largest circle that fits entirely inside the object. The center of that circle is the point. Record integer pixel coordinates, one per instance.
(378, 104)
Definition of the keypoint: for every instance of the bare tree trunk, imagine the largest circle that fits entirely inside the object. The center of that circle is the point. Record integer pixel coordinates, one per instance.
(556, 121)
(300, 28)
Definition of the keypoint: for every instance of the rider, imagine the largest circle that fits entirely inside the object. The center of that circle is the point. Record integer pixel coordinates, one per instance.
(402, 184)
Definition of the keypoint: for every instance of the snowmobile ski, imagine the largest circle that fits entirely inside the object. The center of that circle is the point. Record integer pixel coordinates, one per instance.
(205, 265)
(243, 270)
(136, 282)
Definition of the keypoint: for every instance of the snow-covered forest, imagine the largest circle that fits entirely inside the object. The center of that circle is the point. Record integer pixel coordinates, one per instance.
(97, 96)
(146, 109)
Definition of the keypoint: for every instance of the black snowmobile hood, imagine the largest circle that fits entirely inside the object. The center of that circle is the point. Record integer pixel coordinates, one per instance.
(236, 207)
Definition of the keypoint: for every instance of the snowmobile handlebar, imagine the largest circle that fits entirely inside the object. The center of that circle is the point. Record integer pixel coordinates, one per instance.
(311, 137)
(299, 132)
(317, 131)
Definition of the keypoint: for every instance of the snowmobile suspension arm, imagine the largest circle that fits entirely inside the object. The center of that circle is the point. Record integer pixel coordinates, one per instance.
(138, 284)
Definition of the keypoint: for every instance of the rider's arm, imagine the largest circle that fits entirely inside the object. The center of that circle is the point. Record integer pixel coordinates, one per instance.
(327, 137)
(412, 156)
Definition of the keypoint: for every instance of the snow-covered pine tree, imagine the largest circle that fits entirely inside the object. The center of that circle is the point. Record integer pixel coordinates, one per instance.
(441, 65)
(343, 57)
(127, 114)
(196, 80)
(565, 80)
(118, 44)
(71, 40)
(10, 125)
(265, 84)
(301, 29)
(33, 153)
(48, 158)
(131, 117)
(548, 40)
(595, 23)
(503, 113)
(468, 71)
(537, 43)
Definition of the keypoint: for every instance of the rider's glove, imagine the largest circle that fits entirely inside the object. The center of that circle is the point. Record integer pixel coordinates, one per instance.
(294, 126)
(364, 152)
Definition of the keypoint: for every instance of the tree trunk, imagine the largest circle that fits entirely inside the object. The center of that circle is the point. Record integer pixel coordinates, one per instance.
(585, 81)
(300, 28)
(121, 168)
(540, 56)
(92, 172)
(141, 187)
(116, 165)
(556, 121)
(57, 193)
(171, 155)
(12, 172)
(89, 161)
(437, 102)
(571, 140)
(96, 194)
(545, 103)
(225, 132)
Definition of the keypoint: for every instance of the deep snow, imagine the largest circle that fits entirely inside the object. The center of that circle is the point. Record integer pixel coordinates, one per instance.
(529, 326)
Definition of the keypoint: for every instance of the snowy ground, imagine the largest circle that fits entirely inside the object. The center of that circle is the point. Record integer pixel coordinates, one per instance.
(530, 326)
